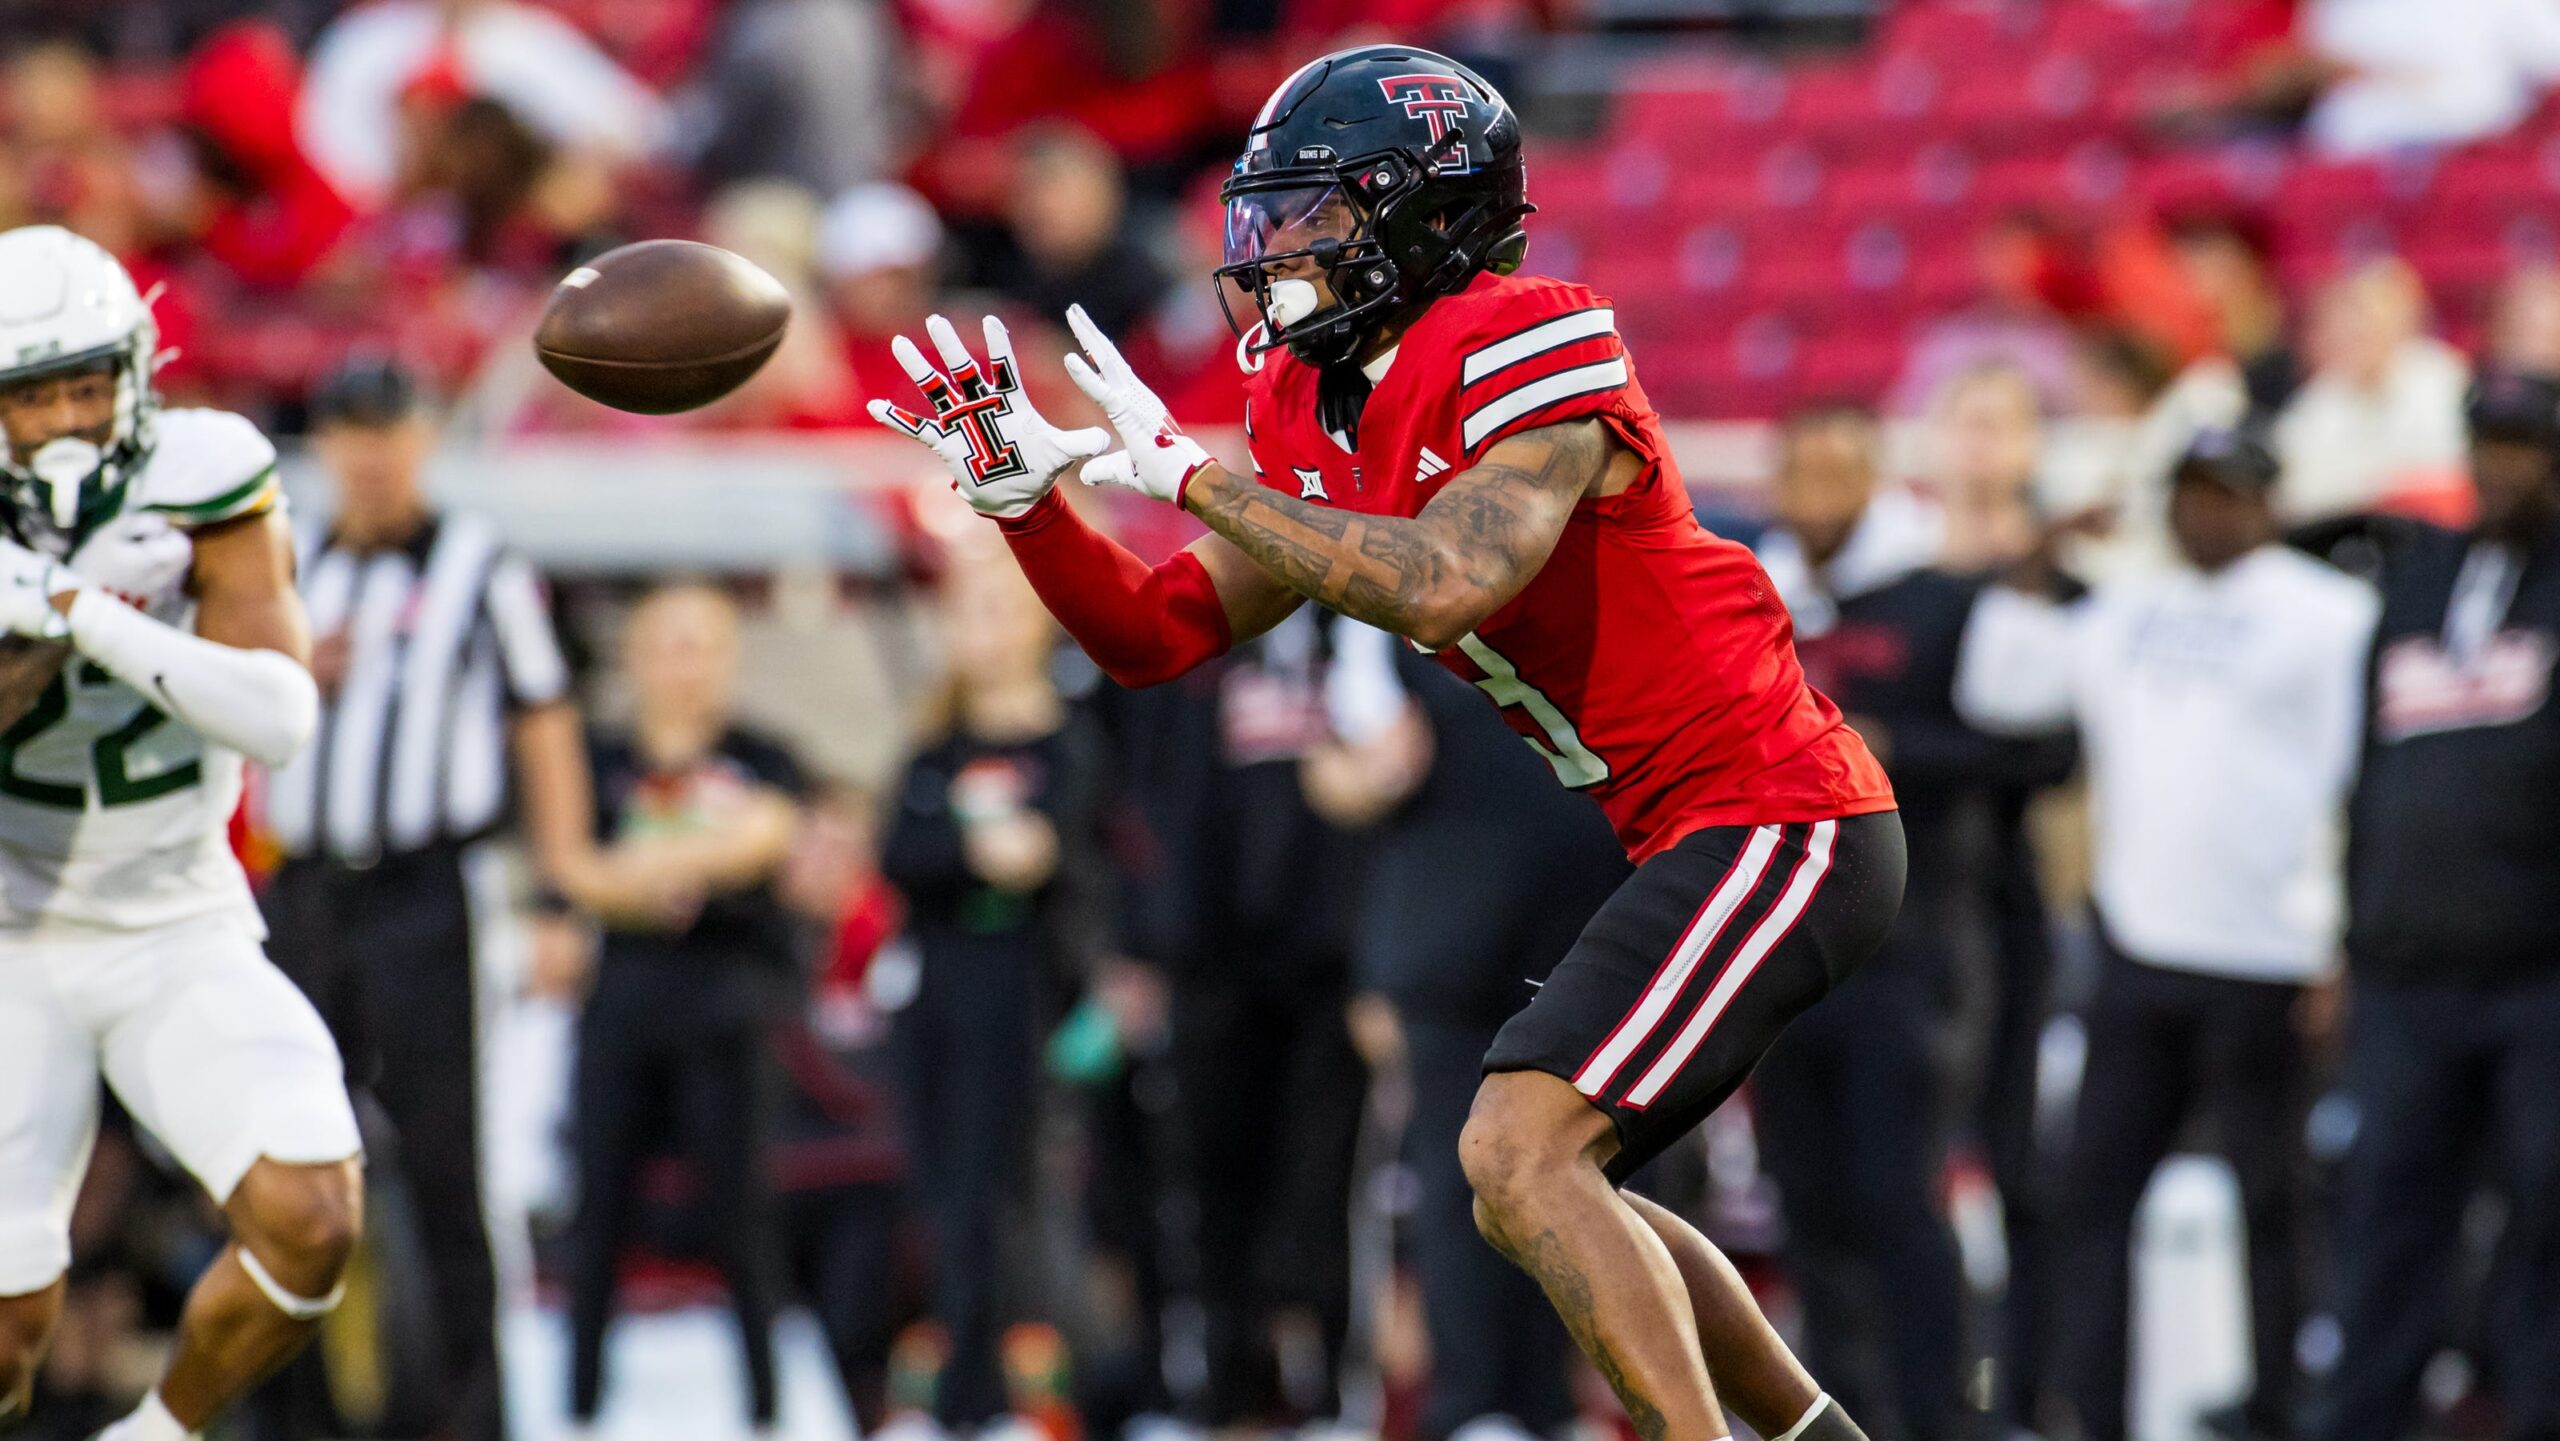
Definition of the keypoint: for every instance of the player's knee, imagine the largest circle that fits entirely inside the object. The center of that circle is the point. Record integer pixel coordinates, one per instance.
(303, 1222)
(1491, 1157)
(1527, 1131)
(1506, 1155)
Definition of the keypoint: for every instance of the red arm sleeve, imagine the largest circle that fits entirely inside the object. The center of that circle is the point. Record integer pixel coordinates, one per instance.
(1142, 625)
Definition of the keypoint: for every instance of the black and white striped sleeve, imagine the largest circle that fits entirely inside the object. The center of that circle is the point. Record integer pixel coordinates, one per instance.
(518, 605)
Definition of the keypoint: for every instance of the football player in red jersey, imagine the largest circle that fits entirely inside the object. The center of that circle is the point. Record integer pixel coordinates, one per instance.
(1461, 455)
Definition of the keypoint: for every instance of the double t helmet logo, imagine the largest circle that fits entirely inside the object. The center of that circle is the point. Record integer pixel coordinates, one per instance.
(1437, 100)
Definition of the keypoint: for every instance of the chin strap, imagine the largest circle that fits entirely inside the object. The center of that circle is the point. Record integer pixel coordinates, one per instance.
(1342, 392)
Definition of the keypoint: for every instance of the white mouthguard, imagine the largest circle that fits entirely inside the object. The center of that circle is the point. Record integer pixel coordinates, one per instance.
(63, 465)
(1291, 301)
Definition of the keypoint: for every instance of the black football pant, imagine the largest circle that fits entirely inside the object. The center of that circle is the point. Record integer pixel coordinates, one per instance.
(2446, 1083)
(386, 955)
(1850, 1110)
(2166, 1047)
(644, 1074)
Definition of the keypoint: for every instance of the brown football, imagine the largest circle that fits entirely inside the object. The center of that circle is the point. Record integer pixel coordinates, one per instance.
(661, 326)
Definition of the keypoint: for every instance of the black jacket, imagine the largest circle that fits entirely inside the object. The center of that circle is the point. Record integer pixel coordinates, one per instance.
(2453, 850)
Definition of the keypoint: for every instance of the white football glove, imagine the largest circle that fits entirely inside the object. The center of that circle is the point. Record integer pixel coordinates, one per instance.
(1002, 454)
(1159, 460)
(28, 583)
(139, 557)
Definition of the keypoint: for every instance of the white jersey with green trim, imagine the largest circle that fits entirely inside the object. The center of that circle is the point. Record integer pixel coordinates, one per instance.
(113, 815)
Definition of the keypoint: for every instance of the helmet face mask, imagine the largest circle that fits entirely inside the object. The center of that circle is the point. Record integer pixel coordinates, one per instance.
(1393, 173)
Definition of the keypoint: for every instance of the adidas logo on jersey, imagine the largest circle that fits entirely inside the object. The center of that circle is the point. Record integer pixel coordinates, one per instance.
(1429, 467)
(1311, 485)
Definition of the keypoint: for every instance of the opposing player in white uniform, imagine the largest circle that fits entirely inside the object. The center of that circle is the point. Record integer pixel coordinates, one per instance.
(154, 641)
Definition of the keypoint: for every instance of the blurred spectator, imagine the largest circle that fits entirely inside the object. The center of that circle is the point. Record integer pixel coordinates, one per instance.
(1985, 450)
(671, 1042)
(808, 91)
(2524, 323)
(880, 256)
(1851, 1105)
(385, 57)
(1074, 241)
(992, 845)
(445, 704)
(2228, 262)
(1485, 870)
(256, 203)
(841, 1162)
(1270, 1086)
(2144, 417)
(2434, 74)
(1137, 74)
(807, 384)
(2218, 707)
(71, 168)
(2453, 875)
(2381, 411)
(2010, 322)
(482, 189)
(63, 163)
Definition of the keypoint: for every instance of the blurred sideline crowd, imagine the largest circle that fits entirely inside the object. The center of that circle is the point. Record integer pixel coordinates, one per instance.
(1096, 1070)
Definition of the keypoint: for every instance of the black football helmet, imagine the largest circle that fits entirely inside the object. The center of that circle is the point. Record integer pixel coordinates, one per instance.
(1396, 171)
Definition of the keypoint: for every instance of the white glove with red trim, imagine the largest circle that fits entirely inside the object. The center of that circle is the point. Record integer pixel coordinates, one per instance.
(1003, 455)
(1159, 460)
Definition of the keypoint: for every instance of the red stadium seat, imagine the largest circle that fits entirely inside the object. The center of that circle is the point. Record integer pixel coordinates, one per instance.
(1960, 33)
(1850, 366)
(2123, 33)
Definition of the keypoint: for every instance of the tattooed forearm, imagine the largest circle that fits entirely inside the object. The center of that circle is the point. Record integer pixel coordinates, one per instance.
(1432, 577)
(1569, 1291)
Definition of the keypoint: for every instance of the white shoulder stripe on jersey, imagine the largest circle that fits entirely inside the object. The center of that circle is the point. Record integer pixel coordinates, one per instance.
(1563, 385)
(1538, 339)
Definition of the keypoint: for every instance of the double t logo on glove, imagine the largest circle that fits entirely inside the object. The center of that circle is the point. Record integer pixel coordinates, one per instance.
(1001, 453)
(1004, 455)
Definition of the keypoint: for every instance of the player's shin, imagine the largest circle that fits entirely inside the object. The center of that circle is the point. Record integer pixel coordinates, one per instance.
(1542, 1199)
(1755, 1373)
(234, 1334)
(294, 1229)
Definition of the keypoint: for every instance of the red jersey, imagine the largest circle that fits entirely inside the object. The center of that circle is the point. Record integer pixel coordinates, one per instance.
(1649, 661)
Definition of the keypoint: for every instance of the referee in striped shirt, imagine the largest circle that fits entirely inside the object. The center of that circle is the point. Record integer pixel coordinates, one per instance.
(446, 711)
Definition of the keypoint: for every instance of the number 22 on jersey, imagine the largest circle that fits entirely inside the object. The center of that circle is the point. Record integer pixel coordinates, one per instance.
(69, 705)
(1575, 764)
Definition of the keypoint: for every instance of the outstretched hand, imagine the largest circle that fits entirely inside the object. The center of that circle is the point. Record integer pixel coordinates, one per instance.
(1003, 455)
(1157, 459)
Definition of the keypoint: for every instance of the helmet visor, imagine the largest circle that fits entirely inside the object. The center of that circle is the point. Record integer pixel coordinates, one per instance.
(1271, 222)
